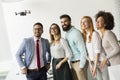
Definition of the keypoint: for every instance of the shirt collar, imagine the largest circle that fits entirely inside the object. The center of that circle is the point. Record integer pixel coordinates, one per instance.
(72, 27)
(37, 39)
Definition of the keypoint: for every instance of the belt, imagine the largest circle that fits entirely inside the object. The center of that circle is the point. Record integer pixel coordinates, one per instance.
(58, 58)
(34, 69)
(75, 61)
(37, 69)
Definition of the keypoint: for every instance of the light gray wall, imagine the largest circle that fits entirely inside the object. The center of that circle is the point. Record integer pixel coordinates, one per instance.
(5, 53)
(117, 18)
(48, 12)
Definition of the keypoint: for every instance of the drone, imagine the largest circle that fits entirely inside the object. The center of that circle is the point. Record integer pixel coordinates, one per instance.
(23, 13)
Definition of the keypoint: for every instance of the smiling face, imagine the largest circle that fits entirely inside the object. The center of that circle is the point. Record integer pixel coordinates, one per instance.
(65, 23)
(37, 30)
(55, 33)
(85, 23)
(100, 23)
(54, 30)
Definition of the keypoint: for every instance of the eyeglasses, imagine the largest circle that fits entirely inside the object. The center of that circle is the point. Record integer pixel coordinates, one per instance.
(53, 28)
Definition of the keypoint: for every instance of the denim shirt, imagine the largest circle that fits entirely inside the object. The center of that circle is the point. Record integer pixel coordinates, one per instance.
(76, 43)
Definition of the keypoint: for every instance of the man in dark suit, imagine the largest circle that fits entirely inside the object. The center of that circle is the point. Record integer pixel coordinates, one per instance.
(37, 56)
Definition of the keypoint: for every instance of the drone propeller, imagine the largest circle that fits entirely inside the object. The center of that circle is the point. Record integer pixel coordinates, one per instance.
(16, 13)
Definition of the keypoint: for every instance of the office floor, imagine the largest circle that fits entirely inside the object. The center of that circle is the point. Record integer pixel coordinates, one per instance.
(17, 75)
(3, 75)
(11, 71)
(14, 73)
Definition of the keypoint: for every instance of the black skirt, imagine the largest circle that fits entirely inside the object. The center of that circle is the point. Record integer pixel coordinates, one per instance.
(64, 73)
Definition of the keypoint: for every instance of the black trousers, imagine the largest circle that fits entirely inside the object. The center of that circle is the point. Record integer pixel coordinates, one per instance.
(64, 73)
(37, 74)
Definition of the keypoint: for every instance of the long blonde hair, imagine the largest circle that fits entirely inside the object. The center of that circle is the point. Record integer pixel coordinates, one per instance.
(51, 36)
(91, 31)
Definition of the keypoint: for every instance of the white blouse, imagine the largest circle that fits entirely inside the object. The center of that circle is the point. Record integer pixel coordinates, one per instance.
(61, 49)
(95, 47)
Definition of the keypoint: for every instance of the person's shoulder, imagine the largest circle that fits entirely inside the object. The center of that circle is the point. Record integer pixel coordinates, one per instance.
(62, 39)
(44, 39)
(95, 33)
(96, 36)
(28, 38)
(109, 33)
(76, 31)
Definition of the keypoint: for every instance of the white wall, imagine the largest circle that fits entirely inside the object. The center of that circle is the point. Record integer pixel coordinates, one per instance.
(48, 12)
(5, 53)
(117, 18)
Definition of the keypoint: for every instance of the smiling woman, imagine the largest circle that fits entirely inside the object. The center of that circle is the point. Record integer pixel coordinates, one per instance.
(46, 11)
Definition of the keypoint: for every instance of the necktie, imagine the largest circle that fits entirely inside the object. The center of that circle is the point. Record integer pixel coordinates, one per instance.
(38, 54)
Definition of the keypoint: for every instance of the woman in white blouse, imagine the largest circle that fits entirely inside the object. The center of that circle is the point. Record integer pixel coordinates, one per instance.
(60, 52)
(94, 48)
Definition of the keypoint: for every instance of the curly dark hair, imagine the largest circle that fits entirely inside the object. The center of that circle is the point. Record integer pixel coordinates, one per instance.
(108, 19)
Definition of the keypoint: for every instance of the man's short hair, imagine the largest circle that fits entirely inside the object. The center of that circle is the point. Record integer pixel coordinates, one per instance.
(38, 23)
(65, 16)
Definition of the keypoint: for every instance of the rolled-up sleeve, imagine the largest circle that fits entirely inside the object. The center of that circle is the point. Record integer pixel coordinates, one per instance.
(81, 47)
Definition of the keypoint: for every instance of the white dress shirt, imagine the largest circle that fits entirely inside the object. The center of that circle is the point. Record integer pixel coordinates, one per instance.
(33, 64)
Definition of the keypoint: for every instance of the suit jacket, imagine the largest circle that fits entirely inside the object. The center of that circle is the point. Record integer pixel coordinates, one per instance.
(27, 49)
